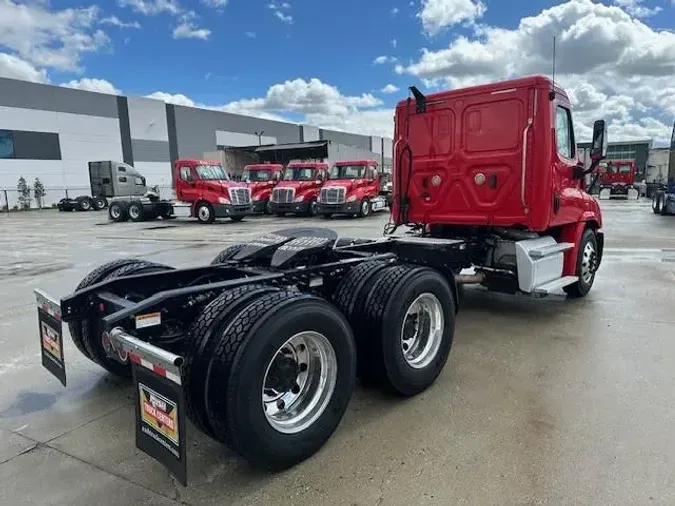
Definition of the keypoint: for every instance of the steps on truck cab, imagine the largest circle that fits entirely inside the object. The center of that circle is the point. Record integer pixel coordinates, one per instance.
(540, 265)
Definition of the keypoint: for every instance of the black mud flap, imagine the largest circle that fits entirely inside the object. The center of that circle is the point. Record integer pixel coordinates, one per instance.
(160, 418)
(51, 335)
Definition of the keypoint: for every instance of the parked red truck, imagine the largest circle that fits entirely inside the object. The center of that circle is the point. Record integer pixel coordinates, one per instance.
(353, 187)
(299, 190)
(261, 179)
(617, 180)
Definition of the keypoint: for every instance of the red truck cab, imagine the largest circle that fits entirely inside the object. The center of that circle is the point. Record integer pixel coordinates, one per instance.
(210, 191)
(617, 179)
(298, 190)
(353, 187)
(261, 179)
(498, 163)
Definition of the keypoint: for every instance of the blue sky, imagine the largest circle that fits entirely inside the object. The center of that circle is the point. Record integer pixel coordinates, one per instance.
(321, 56)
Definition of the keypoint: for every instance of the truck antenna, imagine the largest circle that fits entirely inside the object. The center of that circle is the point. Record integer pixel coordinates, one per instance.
(551, 95)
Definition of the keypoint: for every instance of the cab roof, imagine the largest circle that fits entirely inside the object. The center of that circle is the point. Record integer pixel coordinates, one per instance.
(369, 163)
(307, 165)
(264, 166)
(537, 81)
(197, 161)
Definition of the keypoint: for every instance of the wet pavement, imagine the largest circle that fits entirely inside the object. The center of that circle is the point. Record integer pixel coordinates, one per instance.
(542, 401)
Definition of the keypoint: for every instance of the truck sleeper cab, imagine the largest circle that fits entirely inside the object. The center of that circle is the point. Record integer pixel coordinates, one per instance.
(210, 191)
(353, 187)
(497, 164)
(298, 191)
(261, 179)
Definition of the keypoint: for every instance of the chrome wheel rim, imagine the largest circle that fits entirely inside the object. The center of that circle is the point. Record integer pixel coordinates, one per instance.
(134, 212)
(85, 205)
(588, 262)
(365, 207)
(299, 382)
(422, 331)
(204, 213)
(115, 212)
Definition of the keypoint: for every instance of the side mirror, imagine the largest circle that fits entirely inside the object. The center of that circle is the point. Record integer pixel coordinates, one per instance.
(599, 144)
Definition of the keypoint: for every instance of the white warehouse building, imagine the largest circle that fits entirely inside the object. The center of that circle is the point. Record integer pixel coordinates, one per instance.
(51, 133)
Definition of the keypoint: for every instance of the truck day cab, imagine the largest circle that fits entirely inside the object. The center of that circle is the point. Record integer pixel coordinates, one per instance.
(353, 187)
(210, 191)
(261, 349)
(617, 180)
(298, 192)
(261, 179)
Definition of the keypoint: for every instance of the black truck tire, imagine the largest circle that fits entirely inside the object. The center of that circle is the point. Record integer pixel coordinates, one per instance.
(364, 208)
(227, 254)
(91, 329)
(84, 203)
(205, 212)
(202, 338)
(387, 349)
(135, 211)
(349, 296)
(587, 265)
(100, 203)
(656, 203)
(118, 212)
(237, 219)
(255, 339)
(95, 276)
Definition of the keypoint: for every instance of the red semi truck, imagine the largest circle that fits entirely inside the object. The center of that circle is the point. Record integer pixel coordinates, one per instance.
(353, 187)
(617, 180)
(486, 178)
(261, 179)
(203, 184)
(299, 190)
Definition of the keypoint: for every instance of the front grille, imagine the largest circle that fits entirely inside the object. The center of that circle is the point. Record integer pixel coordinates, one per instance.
(333, 195)
(284, 195)
(240, 196)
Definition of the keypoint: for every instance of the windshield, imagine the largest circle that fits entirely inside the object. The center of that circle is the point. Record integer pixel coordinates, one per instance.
(623, 169)
(299, 174)
(212, 173)
(347, 172)
(256, 175)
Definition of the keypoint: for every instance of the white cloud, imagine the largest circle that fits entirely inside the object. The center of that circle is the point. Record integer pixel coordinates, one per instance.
(152, 7)
(14, 67)
(216, 4)
(187, 30)
(250, 35)
(317, 103)
(280, 11)
(380, 60)
(613, 63)
(115, 21)
(393, 43)
(50, 38)
(394, 11)
(439, 14)
(634, 8)
(97, 85)
(390, 88)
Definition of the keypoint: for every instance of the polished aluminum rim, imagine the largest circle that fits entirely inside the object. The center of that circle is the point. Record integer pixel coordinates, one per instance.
(115, 212)
(588, 262)
(422, 331)
(134, 212)
(299, 382)
(365, 207)
(204, 213)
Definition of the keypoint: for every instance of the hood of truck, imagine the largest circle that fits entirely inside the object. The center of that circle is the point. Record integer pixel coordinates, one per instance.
(348, 184)
(297, 185)
(223, 186)
(260, 185)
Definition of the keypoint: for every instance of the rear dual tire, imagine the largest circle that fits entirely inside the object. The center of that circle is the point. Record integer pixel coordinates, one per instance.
(403, 317)
(270, 373)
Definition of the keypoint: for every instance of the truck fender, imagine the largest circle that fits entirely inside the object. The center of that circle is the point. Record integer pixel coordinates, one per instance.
(572, 233)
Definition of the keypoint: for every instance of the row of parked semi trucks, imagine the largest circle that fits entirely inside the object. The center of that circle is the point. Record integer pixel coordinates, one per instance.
(348, 187)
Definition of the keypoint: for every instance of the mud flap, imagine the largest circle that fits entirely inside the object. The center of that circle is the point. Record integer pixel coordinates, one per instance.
(159, 402)
(160, 420)
(51, 335)
(632, 194)
(605, 194)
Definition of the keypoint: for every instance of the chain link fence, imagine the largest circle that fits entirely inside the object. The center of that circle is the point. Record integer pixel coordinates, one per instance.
(11, 199)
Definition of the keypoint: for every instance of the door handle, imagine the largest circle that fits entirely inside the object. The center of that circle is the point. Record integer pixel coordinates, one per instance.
(493, 181)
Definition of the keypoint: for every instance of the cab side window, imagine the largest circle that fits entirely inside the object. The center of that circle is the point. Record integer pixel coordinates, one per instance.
(564, 132)
(185, 174)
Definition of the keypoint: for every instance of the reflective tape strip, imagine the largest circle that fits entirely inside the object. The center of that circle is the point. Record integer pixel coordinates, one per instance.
(158, 370)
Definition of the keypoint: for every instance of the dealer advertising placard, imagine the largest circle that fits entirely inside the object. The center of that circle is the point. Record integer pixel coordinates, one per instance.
(51, 344)
(160, 420)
